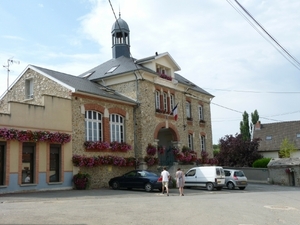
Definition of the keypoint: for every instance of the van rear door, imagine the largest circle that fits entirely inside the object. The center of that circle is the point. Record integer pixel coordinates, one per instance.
(220, 176)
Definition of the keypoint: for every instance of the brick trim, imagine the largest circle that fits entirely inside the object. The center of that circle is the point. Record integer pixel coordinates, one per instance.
(172, 128)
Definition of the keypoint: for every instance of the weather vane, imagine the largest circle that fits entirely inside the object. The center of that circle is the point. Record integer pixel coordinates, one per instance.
(9, 62)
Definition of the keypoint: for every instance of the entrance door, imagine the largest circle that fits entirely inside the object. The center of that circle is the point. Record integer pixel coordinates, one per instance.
(165, 137)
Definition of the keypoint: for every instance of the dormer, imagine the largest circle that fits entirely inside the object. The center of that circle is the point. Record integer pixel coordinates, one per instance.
(162, 63)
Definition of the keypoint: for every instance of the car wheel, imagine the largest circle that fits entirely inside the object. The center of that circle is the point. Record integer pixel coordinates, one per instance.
(148, 187)
(115, 185)
(242, 188)
(209, 186)
(230, 185)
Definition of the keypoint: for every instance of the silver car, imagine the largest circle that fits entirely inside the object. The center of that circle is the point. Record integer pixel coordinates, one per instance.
(235, 178)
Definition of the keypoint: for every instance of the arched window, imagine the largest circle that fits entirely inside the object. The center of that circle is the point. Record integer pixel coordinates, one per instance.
(93, 126)
(116, 128)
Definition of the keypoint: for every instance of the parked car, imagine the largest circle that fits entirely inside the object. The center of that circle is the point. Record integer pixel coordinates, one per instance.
(141, 179)
(235, 178)
(209, 177)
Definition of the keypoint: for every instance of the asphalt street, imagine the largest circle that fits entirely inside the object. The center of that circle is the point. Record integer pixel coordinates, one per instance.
(258, 204)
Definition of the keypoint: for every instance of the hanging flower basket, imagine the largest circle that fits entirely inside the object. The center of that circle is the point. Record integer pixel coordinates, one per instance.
(82, 181)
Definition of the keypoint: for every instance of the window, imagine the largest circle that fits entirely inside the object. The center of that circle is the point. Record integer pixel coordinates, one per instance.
(116, 128)
(2, 163)
(29, 88)
(298, 135)
(55, 162)
(165, 99)
(157, 100)
(191, 173)
(112, 69)
(93, 126)
(269, 138)
(190, 140)
(188, 109)
(201, 117)
(28, 163)
(203, 145)
(172, 102)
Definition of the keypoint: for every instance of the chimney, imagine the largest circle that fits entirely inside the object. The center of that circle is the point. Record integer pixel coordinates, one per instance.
(257, 125)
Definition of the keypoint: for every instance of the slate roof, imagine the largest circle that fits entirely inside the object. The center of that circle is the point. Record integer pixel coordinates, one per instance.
(81, 84)
(277, 133)
(123, 64)
(126, 65)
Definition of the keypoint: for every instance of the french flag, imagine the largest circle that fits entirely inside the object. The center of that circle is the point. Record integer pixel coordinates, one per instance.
(174, 112)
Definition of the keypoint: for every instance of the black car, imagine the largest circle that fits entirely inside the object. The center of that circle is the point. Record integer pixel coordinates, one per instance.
(141, 179)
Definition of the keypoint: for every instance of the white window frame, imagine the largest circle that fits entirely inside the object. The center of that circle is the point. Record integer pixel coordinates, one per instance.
(117, 128)
(157, 100)
(93, 126)
(29, 88)
(188, 109)
(172, 102)
(201, 116)
(165, 100)
(190, 141)
(203, 143)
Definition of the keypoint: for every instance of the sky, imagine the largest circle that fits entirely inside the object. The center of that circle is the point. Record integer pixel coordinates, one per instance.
(215, 45)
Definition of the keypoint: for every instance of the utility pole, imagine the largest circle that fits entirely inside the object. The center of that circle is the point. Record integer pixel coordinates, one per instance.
(9, 62)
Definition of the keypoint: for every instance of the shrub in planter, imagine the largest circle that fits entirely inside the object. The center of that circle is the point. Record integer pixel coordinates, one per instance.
(82, 181)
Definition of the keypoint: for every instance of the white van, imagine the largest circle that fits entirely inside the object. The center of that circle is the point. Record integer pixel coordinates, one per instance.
(205, 176)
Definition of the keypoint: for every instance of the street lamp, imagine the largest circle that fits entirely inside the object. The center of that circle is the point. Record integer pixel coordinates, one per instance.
(9, 62)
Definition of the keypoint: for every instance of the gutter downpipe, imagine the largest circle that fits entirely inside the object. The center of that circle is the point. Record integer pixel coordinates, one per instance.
(134, 119)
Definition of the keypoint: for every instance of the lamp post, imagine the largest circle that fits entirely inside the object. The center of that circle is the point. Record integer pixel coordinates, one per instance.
(9, 62)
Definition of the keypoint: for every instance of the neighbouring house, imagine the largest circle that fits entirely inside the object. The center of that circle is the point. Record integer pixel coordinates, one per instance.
(273, 134)
(104, 120)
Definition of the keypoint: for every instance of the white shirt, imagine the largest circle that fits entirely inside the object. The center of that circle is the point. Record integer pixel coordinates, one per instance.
(165, 175)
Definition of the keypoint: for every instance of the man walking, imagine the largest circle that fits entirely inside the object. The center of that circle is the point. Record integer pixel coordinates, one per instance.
(165, 180)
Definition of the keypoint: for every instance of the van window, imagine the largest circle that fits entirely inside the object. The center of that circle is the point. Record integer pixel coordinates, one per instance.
(218, 171)
(191, 173)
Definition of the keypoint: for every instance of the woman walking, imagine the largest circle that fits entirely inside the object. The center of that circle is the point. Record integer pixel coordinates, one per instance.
(180, 180)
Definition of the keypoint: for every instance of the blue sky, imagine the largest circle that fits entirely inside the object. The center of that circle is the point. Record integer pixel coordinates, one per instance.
(214, 45)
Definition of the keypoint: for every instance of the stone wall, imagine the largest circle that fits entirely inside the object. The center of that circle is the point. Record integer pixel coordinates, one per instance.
(147, 119)
(41, 86)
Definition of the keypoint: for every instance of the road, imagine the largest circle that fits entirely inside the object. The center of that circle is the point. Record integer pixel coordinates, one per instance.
(258, 204)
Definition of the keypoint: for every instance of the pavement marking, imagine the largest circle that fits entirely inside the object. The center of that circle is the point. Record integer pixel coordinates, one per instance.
(279, 207)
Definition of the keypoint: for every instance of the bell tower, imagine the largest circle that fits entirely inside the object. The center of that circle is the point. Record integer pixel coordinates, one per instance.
(120, 39)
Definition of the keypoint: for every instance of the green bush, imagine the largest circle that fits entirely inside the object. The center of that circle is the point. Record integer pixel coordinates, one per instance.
(261, 163)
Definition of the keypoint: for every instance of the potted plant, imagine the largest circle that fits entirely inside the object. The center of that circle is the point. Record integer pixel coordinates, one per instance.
(82, 181)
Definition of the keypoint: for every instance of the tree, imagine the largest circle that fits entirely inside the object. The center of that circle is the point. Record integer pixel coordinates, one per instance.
(216, 149)
(235, 151)
(286, 148)
(254, 117)
(244, 127)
